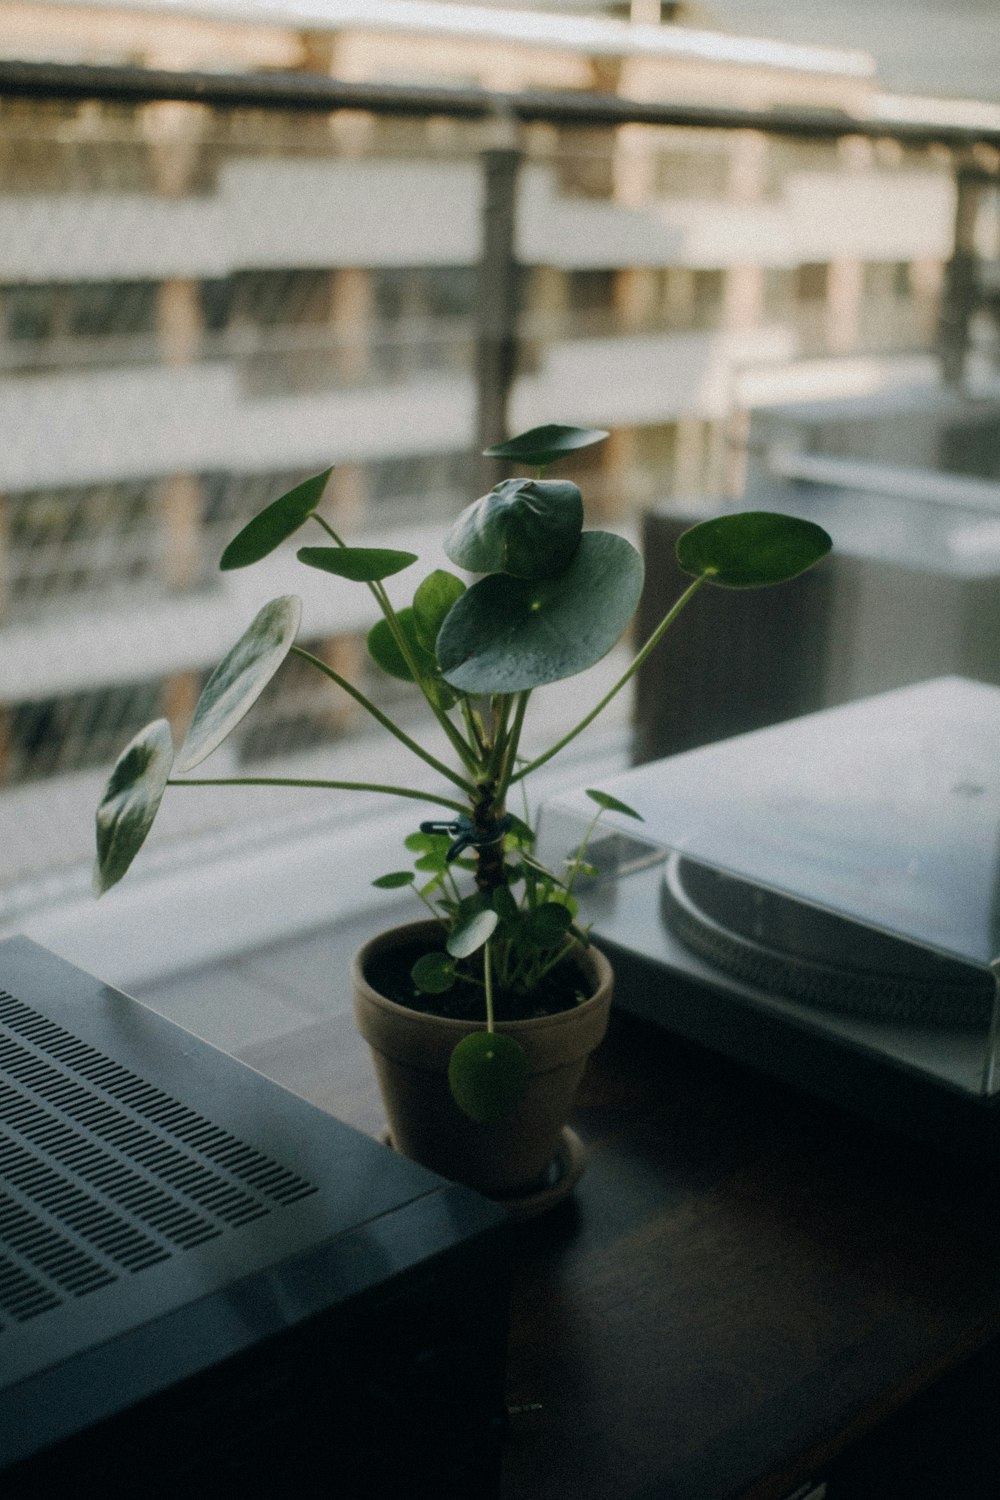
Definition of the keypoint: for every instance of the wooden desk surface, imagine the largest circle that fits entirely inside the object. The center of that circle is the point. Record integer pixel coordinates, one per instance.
(745, 1282)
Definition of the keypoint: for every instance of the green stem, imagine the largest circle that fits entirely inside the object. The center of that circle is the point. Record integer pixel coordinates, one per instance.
(328, 529)
(651, 644)
(488, 976)
(378, 593)
(504, 776)
(451, 882)
(500, 707)
(335, 786)
(474, 726)
(381, 597)
(574, 868)
(503, 964)
(441, 921)
(386, 722)
(525, 805)
(561, 953)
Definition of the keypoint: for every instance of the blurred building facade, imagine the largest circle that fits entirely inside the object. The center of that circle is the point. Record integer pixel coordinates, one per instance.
(198, 308)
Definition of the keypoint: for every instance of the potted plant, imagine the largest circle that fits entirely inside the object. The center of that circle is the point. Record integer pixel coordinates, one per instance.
(481, 1017)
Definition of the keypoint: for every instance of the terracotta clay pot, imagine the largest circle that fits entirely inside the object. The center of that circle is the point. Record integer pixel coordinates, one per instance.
(411, 1050)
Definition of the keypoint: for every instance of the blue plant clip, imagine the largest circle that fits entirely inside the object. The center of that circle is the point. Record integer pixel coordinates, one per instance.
(465, 835)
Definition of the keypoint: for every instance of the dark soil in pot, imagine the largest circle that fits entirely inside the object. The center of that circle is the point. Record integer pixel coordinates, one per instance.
(389, 972)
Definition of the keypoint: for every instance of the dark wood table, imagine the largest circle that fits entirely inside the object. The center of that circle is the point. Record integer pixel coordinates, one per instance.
(749, 1290)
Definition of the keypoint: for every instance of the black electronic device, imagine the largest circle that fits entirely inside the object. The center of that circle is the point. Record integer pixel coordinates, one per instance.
(209, 1287)
(910, 591)
(820, 898)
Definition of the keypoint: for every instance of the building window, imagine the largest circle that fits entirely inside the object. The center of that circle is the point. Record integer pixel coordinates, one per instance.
(708, 291)
(590, 301)
(698, 169)
(30, 313)
(280, 299)
(811, 281)
(49, 736)
(419, 487)
(99, 539)
(300, 709)
(56, 147)
(51, 324)
(689, 300)
(215, 299)
(584, 161)
(899, 305)
(422, 318)
(887, 279)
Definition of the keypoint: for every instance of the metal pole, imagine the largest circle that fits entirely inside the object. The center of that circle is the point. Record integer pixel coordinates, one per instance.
(961, 288)
(496, 302)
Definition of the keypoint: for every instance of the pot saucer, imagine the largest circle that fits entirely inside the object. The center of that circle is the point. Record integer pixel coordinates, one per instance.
(558, 1181)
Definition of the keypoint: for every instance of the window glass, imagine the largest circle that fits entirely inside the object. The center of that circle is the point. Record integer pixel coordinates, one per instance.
(201, 308)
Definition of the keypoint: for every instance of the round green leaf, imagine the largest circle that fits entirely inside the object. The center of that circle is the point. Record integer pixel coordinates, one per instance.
(487, 1073)
(272, 525)
(428, 843)
(240, 678)
(508, 634)
(395, 881)
(433, 973)
(385, 652)
(431, 602)
(520, 832)
(435, 861)
(471, 934)
(506, 908)
(548, 924)
(751, 549)
(360, 564)
(612, 804)
(130, 802)
(527, 527)
(543, 445)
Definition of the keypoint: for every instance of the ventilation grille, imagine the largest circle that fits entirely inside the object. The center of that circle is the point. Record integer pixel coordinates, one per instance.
(104, 1174)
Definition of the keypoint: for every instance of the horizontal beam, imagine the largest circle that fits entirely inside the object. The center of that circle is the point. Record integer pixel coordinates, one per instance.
(318, 93)
(269, 91)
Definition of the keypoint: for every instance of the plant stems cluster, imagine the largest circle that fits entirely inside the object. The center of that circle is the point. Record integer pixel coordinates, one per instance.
(551, 599)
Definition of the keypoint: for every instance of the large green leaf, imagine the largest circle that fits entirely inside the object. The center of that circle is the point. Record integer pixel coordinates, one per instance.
(240, 678)
(527, 527)
(488, 1073)
(751, 549)
(130, 801)
(385, 652)
(431, 603)
(274, 523)
(360, 564)
(507, 634)
(544, 445)
(548, 924)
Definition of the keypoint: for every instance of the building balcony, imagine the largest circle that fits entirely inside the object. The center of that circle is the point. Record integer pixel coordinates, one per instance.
(288, 214)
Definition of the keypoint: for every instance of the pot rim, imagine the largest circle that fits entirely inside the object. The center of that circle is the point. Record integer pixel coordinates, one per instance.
(600, 974)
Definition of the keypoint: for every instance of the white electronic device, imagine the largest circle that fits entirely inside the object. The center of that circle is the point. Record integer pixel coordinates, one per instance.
(820, 898)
